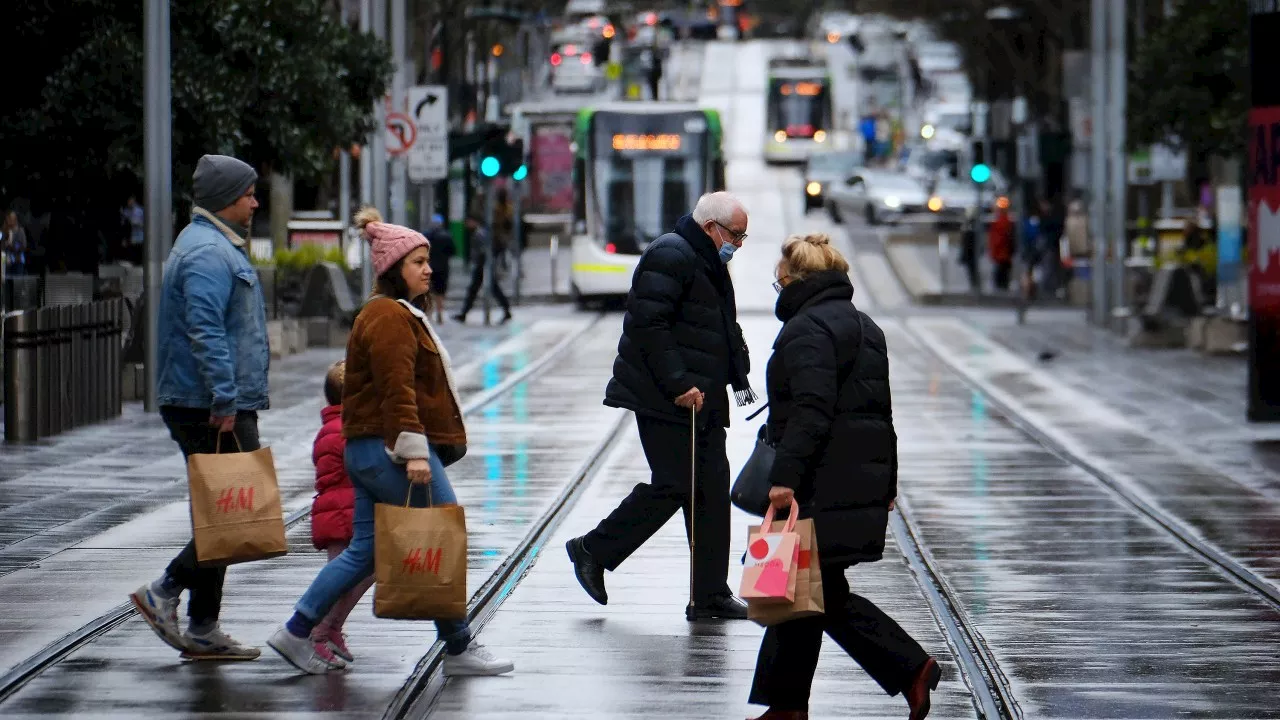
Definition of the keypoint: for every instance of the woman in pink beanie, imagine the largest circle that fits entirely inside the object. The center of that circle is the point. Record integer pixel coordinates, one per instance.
(403, 423)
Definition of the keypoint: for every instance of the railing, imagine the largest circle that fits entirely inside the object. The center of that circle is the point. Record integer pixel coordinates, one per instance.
(62, 368)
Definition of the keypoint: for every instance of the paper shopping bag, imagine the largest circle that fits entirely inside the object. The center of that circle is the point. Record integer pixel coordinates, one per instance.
(808, 600)
(420, 562)
(772, 560)
(235, 507)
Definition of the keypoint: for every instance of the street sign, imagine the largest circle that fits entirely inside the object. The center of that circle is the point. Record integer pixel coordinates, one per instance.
(1140, 167)
(1167, 165)
(401, 133)
(429, 156)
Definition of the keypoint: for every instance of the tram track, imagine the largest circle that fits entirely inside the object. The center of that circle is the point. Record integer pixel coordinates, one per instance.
(24, 672)
(1235, 570)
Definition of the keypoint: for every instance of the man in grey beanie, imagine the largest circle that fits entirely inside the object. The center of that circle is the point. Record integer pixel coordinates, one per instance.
(212, 381)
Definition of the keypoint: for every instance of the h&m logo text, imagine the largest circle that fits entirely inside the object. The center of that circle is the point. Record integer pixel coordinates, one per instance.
(233, 499)
(422, 560)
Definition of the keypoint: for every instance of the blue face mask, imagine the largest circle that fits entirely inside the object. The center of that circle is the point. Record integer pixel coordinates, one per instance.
(726, 252)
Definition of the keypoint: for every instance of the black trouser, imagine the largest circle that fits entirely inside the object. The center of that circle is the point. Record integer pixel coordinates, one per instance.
(477, 277)
(1003, 271)
(189, 427)
(789, 653)
(651, 505)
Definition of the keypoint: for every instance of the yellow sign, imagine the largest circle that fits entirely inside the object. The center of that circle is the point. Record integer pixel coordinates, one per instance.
(646, 142)
(613, 70)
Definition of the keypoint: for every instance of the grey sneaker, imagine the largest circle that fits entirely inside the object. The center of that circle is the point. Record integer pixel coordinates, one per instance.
(217, 645)
(309, 656)
(161, 614)
(477, 660)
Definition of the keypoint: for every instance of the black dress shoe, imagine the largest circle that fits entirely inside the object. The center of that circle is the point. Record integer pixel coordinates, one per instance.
(589, 572)
(724, 607)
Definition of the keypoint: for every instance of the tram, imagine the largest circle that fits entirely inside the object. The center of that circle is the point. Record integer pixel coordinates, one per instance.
(798, 112)
(637, 169)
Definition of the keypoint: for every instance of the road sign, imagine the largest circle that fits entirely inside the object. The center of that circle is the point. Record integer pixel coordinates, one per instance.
(401, 133)
(1140, 167)
(429, 157)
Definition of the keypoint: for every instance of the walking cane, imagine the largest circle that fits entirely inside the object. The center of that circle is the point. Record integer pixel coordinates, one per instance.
(693, 497)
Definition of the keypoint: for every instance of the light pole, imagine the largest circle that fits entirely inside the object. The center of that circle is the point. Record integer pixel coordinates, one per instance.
(1098, 161)
(158, 159)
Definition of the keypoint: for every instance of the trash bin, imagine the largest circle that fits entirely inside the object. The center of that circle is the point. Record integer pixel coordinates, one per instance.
(21, 418)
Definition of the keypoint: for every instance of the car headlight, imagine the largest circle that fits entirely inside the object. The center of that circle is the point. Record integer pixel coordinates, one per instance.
(820, 136)
(813, 189)
(893, 202)
(780, 136)
(935, 203)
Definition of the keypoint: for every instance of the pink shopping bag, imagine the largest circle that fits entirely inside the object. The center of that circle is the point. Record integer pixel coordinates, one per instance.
(772, 561)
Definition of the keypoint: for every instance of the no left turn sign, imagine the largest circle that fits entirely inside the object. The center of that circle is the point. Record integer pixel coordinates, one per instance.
(402, 132)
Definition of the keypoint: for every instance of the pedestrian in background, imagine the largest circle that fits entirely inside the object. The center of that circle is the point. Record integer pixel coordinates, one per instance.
(681, 345)
(831, 410)
(13, 244)
(212, 380)
(1000, 247)
(402, 421)
(332, 514)
(135, 222)
(969, 250)
(503, 224)
(442, 252)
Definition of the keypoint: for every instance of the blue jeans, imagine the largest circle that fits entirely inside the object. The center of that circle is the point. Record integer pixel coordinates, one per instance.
(377, 479)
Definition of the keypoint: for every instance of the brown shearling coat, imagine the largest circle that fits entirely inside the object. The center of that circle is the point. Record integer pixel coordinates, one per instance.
(398, 386)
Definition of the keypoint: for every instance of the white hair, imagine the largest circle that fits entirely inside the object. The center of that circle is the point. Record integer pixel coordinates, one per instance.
(717, 207)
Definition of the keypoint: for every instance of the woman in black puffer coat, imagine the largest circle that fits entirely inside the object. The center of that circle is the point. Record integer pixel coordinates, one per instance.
(831, 415)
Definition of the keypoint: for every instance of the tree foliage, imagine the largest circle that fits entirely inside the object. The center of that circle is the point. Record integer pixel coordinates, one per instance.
(279, 83)
(1189, 79)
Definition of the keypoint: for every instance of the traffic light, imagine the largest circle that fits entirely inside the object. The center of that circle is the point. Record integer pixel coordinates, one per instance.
(500, 158)
(979, 172)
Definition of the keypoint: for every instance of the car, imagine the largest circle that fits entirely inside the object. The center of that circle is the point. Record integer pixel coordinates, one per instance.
(824, 170)
(937, 57)
(951, 200)
(879, 196)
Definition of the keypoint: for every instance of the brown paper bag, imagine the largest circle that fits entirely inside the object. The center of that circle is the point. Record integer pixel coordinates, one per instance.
(235, 507)
(420, 562)
(808, 600)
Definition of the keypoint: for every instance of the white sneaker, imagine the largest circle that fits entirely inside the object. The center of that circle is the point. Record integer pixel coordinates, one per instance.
(161, 614)
(476, 660)
(217, 645)
(309, 656)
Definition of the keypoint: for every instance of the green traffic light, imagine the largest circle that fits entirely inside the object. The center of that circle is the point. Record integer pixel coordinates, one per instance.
(521, 173)
(980, 173)
(490, 166)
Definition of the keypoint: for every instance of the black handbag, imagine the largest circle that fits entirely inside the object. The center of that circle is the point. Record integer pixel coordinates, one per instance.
(750, 491)
(449, 454)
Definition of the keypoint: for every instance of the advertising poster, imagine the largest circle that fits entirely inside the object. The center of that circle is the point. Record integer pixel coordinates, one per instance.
(552, 164)
(1262, 176)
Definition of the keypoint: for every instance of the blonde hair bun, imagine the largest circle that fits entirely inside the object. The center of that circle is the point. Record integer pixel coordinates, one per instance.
(818, 239)
(803, 255)
(367, 214)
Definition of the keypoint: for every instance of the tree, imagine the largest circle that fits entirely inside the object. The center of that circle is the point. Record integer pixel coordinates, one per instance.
(278, 83)
(1189, 79)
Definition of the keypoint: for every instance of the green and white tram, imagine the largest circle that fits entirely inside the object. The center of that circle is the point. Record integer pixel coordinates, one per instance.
(798, 111)
(637, 169)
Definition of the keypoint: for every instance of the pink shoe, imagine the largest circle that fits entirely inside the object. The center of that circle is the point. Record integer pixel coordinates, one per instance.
(337, 642)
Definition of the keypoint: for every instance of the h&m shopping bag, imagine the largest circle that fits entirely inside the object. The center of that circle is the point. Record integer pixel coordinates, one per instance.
(420, 562)
(235, 506)
(772, 560)
(808, 600)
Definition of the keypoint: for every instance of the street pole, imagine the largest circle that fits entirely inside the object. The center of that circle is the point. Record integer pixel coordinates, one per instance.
(344, 195)
(488, 247)
(1116, 104)
(379, 145)
(399, 179)
(366, 168)
(1098, 161)
(158, 158)
(517, 236)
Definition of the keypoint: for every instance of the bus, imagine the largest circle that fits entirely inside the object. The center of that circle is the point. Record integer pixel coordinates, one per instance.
(637, 170)
(798, 113)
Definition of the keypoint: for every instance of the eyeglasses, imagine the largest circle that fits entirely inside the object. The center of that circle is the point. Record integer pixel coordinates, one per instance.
(738, 238)
(777, 286)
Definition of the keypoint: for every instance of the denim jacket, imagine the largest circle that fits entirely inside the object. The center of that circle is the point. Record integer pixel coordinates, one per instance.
(213, 323)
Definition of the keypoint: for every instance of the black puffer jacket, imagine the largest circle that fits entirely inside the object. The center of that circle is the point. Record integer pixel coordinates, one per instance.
(680, 331)
(831, 416)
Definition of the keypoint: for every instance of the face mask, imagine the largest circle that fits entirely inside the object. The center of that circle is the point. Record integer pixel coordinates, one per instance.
(726, 252)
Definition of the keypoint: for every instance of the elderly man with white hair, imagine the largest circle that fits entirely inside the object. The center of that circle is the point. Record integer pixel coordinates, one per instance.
(680, 347)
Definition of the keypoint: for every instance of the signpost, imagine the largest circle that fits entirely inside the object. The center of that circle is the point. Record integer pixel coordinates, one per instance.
(429, 155)
(401, 133)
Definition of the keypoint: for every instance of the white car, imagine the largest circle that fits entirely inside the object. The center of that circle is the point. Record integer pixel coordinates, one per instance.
(938, 57)
(573, 67)
(878, 196)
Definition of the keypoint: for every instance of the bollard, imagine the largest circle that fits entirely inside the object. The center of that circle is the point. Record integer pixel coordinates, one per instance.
(21, 419)
(44, 371)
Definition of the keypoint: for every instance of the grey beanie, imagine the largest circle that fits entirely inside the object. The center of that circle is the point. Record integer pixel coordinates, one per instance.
(220, 181)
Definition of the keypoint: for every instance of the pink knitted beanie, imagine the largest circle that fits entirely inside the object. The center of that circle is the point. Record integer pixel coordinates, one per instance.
(389, 243)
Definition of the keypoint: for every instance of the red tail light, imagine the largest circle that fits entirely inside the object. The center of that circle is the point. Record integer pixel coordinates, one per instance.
(556, 59)
(611, 249)
(586, 58)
